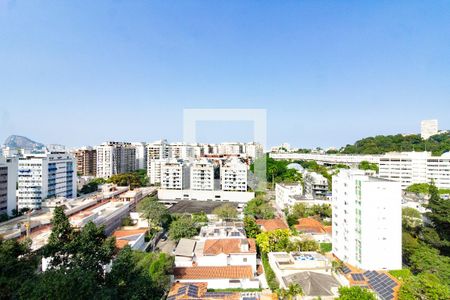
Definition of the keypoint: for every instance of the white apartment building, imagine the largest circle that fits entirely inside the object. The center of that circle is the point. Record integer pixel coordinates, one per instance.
(44, 176)
(174, 175)
(285, 194)
(8, 180)
(141, 155)
(154, 170)
(367, 221)
(202, 175)
(115, 158)
(233, 176)
(416, 167)
(254, 150)
(158, 150)
(428, 128)
(316, 185)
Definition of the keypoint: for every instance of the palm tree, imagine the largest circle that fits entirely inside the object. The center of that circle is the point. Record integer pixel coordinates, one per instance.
(291, 293)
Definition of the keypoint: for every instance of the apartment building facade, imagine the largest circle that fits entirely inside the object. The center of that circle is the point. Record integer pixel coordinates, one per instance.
(175, 175)
(233, 176)
(367, 217)
(141, 155)
(115, 158)
(42, 176)
(86, 161)
(416, 167)
(284, 194)
(202, 175)
(8, 180)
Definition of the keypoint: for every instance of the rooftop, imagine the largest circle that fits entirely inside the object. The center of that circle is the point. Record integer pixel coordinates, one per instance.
(228, 272)
(229, 246)
(313, 283)
(185, 247)
(310, 225)
(272, 224)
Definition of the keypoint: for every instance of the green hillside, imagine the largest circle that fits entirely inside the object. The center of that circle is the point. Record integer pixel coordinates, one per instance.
(380, 144)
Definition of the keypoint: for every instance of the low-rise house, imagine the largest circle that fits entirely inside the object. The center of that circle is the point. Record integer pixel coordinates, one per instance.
(221, 230)
(135, 238)
(184, 253)
(226, 252)
(310, 270)
(272, 224)
(314, 229)
(222, 263)
(224, 277)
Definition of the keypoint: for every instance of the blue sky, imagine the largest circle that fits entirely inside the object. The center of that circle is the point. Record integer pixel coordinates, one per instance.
(328, 72)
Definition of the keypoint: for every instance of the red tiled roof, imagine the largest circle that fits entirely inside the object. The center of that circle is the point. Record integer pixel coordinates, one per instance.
(227, 246)
(328, 229)
(120, 244)
(122, 233)
(273, 224)
(228, 272)
(309, 225)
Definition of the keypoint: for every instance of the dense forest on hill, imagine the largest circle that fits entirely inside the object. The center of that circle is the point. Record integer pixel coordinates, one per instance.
(380, 144)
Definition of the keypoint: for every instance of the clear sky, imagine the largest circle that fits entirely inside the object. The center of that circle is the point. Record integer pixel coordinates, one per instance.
(328, 72)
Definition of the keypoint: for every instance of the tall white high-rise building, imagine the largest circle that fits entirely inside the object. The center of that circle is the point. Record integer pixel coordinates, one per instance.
(202, 175)
(115, 158)
(174, 175)
(428, 128)
(416, 167)
(42, 176)
(367, 221)
(141, 155)
(158, 150)
(8, 180)
(233, 176)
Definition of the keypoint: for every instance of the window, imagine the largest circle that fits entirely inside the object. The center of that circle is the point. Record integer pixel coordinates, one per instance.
(245, 259)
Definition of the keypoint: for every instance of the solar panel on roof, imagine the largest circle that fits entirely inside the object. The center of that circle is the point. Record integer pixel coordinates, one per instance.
(182, 290)
(357, 277)
(345, 270)
(193, 291)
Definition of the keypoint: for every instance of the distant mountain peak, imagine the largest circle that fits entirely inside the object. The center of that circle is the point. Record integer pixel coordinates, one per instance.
(18, 141)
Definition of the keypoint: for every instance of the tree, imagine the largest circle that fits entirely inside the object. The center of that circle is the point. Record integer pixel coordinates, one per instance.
(200, 217)
(226, 211)
(411, 218)
(423, 286)
(155, 212)
(183, 227)
(291, 292)
(307, 245)
(159, 270)
(439, 213)
(16, 266)
(355, 292)
(259, 208)
(92, 249)
(127, 281)
(275, 241)
(60, 239)
(426, 259)
(250, 226)
(365, 165)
